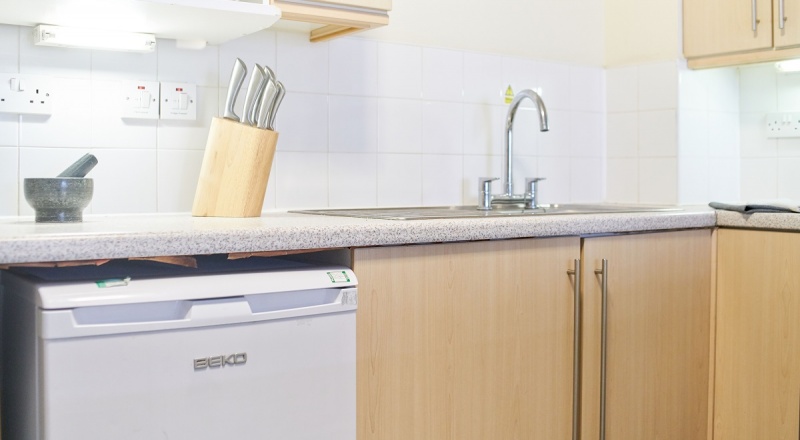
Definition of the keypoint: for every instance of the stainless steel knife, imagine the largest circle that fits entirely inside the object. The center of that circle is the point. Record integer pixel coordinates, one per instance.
(237, 78)
(267, 102)
(257, 83)
(274, 110)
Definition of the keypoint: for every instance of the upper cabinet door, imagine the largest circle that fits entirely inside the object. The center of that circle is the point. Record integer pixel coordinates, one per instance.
(786, 31)
(715, 27)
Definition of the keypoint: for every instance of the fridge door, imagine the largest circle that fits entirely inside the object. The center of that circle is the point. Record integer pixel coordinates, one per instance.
(288, 379)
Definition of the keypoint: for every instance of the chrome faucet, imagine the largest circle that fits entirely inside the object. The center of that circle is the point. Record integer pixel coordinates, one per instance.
(508, 197)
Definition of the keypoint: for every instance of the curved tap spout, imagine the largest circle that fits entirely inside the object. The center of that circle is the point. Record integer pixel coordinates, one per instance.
(508, 184)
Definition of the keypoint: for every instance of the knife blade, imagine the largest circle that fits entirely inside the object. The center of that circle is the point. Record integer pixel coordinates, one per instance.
(267, 103)
(274, 110)
(257, 83)
(237, 78)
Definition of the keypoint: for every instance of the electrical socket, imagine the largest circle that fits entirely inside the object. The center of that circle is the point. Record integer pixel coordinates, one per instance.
(783, 125)
(26, 94)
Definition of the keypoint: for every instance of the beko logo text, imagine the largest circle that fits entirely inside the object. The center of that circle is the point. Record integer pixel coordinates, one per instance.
(220, 361)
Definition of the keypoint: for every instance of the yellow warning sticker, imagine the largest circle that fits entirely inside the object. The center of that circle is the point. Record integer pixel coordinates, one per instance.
(509, 94)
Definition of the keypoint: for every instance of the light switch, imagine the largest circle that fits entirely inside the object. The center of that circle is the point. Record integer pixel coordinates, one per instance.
(144, 99)
(139, 100)
(17, 85)
(178, 101)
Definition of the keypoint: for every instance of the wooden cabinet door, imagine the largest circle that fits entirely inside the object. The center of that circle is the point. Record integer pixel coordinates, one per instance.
(657, 367)
(757, 382)
(465, 341)
(789, 35)
(716, 27)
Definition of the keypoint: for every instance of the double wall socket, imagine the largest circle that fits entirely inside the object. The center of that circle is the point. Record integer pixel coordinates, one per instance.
(26, 94)
(783, 125)
(154, 100)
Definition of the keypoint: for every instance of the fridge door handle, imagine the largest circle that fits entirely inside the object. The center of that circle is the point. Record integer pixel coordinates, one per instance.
(106, 320)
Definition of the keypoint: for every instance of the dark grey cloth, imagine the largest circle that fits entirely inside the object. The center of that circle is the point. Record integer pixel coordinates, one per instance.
(756, 207)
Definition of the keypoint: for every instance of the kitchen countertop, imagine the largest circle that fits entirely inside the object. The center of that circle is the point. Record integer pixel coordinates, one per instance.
(150, 235)
(770, 221)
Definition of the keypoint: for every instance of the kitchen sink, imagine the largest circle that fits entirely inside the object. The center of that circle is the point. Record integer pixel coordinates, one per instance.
(499, 211)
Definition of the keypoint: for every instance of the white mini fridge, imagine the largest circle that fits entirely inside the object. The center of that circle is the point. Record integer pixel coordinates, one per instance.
(249, 350)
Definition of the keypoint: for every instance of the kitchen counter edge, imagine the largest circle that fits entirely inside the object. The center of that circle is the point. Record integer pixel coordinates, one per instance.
(152, 235)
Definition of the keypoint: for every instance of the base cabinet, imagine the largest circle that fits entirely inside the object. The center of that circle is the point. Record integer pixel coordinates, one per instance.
(465, 341)
(475, 340)
(757, 386)
(657, 336)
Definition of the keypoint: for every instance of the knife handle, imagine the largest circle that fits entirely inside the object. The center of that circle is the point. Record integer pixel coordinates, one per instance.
(274, 110)
(257, 82)
(237, 78)
(266, 103)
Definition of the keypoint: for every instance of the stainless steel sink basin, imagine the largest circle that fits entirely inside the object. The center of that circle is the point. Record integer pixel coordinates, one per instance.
(444, 212)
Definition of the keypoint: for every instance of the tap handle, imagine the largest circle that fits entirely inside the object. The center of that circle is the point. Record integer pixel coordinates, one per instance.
(485, 193)
(532, 188)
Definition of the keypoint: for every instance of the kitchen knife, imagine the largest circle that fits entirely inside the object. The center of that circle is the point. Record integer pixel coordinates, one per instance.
(257, 83)
(270, 73)
(267, 103)
(274, 110)
(237, 78)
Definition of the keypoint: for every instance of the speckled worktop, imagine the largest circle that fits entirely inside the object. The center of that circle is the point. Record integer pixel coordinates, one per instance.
(101, 237)
(769, 221)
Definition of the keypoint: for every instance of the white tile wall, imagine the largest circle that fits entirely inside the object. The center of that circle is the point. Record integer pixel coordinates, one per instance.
(641, 133)
(364, 123)
(399, 71)
(353, 67)
(768, 166)
(9, 165)
(673, 134)
(399, 179)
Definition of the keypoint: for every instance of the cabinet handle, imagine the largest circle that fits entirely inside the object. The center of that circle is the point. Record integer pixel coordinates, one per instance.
(754, 14)
(576, 346)
(604, 343)
(781, 14)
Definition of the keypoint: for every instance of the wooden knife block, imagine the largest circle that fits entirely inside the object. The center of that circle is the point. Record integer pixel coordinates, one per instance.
(235, 171)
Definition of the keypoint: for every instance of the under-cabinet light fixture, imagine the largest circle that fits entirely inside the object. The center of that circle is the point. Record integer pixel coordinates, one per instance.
(46, 35)
(788, 66)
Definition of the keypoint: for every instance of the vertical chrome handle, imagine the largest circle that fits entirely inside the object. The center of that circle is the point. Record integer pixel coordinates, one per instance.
(754, 14)
(781, 14)
(603, 344)
(576, 346)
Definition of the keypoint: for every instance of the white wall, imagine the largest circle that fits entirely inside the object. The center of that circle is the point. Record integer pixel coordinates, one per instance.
(642, 31)
(364, 123)
(563, 30)
(769, 166)
(673, 134)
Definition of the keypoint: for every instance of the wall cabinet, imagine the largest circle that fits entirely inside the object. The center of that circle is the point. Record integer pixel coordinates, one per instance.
(476, 340)
(757, 387)
(338, 17)
(724, 32)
